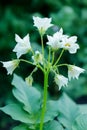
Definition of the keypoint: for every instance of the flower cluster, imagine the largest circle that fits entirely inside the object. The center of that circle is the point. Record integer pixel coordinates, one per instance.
(58, 40)
(55, 42)
(73, 72)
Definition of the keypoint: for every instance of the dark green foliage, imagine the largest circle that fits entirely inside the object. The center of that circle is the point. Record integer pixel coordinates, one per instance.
(60, 114)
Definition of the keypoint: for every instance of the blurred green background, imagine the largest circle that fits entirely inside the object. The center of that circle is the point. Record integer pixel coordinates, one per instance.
(16, 17)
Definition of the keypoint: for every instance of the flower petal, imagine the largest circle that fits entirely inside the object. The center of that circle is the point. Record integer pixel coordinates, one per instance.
(74, 71)
(26, 39)
(42, 24)
(73, 48)
(61, 80)
(18, 39)
(10, 65)
(23, 45)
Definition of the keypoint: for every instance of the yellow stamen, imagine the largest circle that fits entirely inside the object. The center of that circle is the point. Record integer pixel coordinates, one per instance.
(67, 44)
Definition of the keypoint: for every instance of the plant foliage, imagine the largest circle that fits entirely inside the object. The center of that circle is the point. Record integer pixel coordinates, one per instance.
(60, 114)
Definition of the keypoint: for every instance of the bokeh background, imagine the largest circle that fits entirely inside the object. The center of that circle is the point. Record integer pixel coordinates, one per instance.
(16, 17)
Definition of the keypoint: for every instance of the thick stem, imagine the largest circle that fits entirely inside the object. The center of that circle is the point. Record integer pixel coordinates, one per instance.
(44, 99)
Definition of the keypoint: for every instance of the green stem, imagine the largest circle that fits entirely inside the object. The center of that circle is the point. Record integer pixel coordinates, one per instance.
(32, 51)
(49, 55)
(34, 70)
(62, 65)
(53, 57)
(42, 45)
(26, 61)
(46, 73)
(32, 64)
(40, 67)
(59, 57)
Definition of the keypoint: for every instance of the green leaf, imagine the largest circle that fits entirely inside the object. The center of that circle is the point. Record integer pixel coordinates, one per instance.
(51, 111)
(17, 113)
(83, 109)
(53, 125)
(29, 96)
(68, 111)
(80, 123)
(21, 127)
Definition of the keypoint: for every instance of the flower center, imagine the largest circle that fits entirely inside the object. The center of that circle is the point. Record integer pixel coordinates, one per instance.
(67, 45)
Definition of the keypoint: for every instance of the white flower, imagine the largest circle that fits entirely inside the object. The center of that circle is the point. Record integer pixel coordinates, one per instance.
(23, 45)
(61, 80)
(74, 71)
(56, 40)
(69, 43)
(42, 24)
(10, 65)
(37, 58)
